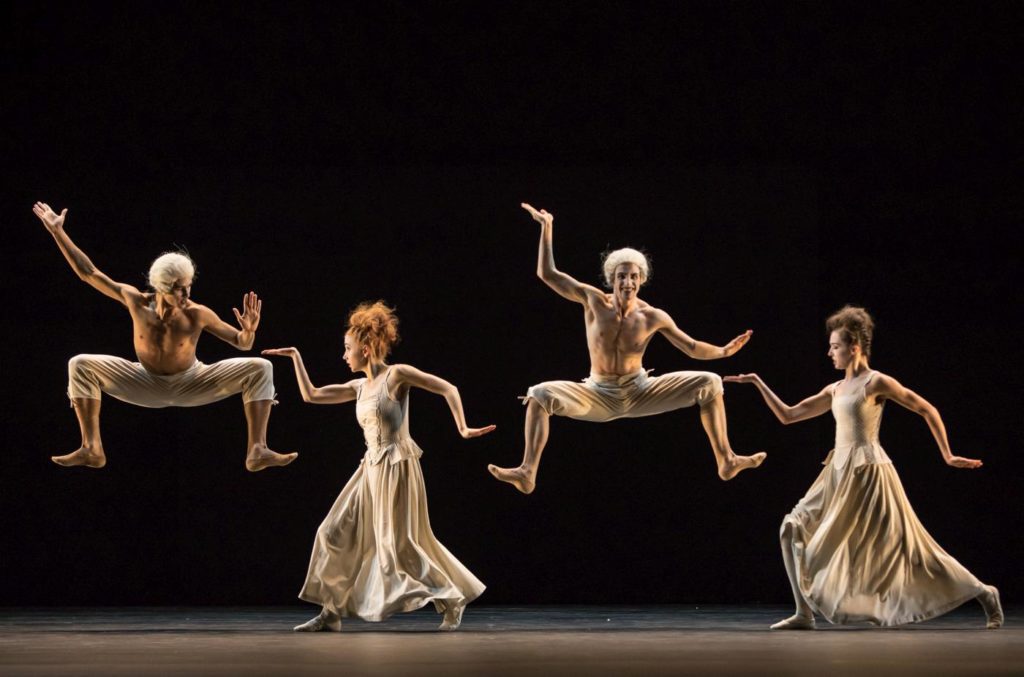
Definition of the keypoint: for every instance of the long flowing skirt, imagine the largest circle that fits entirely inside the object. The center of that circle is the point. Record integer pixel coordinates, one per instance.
(861, 553)
(375, 554)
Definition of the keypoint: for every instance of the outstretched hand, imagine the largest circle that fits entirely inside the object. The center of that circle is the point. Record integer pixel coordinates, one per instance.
(741, 378)
(733, 346)
(543, 217)
(467, 433)
(51, 219)
(249, 319)
(284, 352)
(961, 462)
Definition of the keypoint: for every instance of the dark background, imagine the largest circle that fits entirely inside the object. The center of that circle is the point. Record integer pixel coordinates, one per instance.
(777, 159)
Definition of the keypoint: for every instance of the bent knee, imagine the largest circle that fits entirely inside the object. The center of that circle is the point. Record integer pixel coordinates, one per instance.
(260, 367)
(81, 363)
(710, 387)
(539, 397)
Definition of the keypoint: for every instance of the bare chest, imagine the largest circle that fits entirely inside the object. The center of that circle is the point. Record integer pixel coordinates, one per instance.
(611, 331)
(151, 329)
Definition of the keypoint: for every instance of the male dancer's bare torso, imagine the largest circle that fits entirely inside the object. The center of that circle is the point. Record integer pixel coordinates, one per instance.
(616, 340)
(165, 338)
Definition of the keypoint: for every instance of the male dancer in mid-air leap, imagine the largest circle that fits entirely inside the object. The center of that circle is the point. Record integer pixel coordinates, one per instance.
(619, 327)
(167, 326)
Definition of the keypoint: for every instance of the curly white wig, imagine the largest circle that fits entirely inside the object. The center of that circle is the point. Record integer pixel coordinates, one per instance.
(625, 255)
(169, 268)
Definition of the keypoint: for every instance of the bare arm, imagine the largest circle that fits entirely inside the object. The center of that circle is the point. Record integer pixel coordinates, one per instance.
(80, 263)
(248, 320)
(333, 394)
(698, 350)
(566, 285)
(889, 388)
(404, 374)
(813, 406)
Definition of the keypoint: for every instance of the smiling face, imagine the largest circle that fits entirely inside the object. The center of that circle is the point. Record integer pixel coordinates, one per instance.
(357, 354)
(842, 352)
(626, 281)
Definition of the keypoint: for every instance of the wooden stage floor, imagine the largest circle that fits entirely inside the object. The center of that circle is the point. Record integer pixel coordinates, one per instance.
(521, 641)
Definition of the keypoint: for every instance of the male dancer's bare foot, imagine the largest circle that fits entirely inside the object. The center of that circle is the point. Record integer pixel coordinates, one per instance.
(520, 477)
(795, 622)
(261, 456)
(737, 464)
(89, 457)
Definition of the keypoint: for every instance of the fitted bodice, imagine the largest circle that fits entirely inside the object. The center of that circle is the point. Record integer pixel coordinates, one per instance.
(385, 422)
(858, 419)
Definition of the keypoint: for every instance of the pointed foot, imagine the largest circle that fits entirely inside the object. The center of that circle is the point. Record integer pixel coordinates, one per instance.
(322, 622)
(795, 622)
(520, 478)
(993, 607)
(90, 458)
(261, 457)
(738, 464)
(452, 616)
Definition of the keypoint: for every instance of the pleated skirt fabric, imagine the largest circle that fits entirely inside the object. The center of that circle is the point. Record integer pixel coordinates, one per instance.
(375, 554)
(862, 554)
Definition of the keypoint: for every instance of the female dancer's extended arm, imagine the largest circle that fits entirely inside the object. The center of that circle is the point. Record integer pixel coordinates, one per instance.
(404, 374)
(333, 394)
(889, 388)
(815, 405)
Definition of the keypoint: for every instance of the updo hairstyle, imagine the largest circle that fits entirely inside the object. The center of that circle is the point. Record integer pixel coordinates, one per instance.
(376, 325)
(854, 325)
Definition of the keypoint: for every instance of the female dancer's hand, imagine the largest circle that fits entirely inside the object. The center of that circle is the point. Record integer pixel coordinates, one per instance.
(284, 352)
(742, 378)
(961, 462)
(476, 432)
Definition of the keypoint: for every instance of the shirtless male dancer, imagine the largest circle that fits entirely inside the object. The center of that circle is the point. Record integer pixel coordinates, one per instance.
(619, 327)
(167, 326)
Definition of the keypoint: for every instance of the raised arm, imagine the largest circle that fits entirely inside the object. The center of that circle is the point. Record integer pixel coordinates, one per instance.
(889, 388)
(565, 285)
(698, 350)
(404, 374)
(80, 263)
(813, 406)
(248, 320)
(333, 394)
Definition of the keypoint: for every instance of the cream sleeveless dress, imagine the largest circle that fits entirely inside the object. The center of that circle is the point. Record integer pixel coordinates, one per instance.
(375, 554)
(860, 552)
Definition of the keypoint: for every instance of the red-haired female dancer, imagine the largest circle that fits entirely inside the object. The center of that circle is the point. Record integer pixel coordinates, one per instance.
(375, 553)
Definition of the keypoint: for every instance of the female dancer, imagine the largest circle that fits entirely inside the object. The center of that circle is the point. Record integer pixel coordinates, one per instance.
(375, 553)
(853, 547)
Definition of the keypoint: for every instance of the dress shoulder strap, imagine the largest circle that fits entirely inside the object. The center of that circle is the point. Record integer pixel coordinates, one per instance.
(384, 386)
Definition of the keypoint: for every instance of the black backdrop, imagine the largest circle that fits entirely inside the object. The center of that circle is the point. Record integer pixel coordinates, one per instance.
(778, 160)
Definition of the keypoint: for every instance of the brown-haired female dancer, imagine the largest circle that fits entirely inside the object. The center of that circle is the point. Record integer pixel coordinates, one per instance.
(853, 547)
(375, 553)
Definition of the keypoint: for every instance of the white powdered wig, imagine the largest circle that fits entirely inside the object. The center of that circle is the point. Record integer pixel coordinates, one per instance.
(169, 268)
(625, 255)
